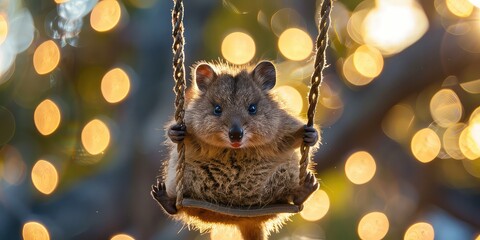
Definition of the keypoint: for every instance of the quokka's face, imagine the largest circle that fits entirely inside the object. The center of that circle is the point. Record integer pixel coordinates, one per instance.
(233, 111)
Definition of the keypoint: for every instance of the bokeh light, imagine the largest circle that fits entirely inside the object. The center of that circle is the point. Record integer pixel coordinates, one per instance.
(360, 167)
(476, 3)
(478, 236)
(95, 137)
(225, 232)
(373, 226)
(295, 44)
(398, 121)
(115, 85)
(394, 25)
(292, 98)
(472, 167)
(284, 19)
(316, 206)
(105, 15)
(475, 116)
(425, 145)
(451, 140)
(44, 177)
(420, 231)
(35, 231)
(7, 125)
(3, 29)
(368, 61)
(47, 117)
(61, 1)
(472, 87)
(460, 8)
(238, 48)
(470, 141)
(351, 73)
(122, 237)
(46, 57)
(13, 167)
(446, 108)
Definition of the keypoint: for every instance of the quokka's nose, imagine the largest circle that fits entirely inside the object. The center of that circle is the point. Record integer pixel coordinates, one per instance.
(235, 133)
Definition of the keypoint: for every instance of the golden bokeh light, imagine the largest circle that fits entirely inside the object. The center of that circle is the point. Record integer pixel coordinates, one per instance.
(472, 87)
(398, 121)
(360, 167)
(477, 4)
(478, 236)
(446, 108)
(292, 98)
(368, 61)
(47, 117)
(316, 206)
(351, 73)
(95, 137)
(105, 15)
(425, 145)
(472, 167)
(35, 231)
(238, 48)
(44, 177)
(225, 232)
(46, 57)
(122, 237)
(115, 85)
(295, 44)
(460, 8)
(475, 116)
(373, 226)
(394, 25)
(420, 231)
(451, 141)
(61, 1)
(3, 29)
(470, 141)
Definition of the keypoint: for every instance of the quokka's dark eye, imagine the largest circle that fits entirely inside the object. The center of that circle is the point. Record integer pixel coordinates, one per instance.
(217, 110)
(252, 109)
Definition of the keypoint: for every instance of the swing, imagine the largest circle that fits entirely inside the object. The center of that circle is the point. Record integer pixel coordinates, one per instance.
(191, 206)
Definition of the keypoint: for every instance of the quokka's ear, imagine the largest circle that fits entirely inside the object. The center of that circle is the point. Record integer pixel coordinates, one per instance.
(204, 75)
(265, 75)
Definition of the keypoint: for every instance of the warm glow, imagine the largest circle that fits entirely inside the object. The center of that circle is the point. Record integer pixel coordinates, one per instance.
(451, 140)
(425, 145)
(238, 48)
(373, 226)
(316, 206)
(394, 25)
(360, 167)
(115, 85)
(295, 44)
(35, 231)
(12, 166)
(225, 232)
(105, 15)
(95, 137)
(292, 98)
(446, 108)
(368, 61)
(351, 73)
(397, 123)
(44, 176)
(475, 116)
(61, 1)
(47, 117)
(472, 87)
(470, 141)
(477, 4)
(420, 231)
(478, 236)
(3, 29)
(122, 237)
(46, 57)
(460, 8)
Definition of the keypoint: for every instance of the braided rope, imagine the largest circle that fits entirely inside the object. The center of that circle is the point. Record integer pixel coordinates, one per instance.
(179, 89)
(316, 80)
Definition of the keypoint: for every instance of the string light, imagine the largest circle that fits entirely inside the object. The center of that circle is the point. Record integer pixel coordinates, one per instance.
(295, 44)
(360, 167)
(368, 61)
(373, 226)
(316, 206)
(35, 231)
(115, 85)
(420, 231)
(238, 48)
(425, 145)
(95, 137)
(105, 15)
(46, 57)
(47, 117)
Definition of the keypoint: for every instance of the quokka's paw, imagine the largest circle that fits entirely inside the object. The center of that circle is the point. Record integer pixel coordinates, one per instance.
(310, 136)
(176, 133)
(310, 186)
(159, 193)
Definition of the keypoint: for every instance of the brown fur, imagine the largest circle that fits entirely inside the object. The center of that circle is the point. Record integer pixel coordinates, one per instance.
(263, 171)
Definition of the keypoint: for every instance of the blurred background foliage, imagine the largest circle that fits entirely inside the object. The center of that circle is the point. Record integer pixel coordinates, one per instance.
(85, 90)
